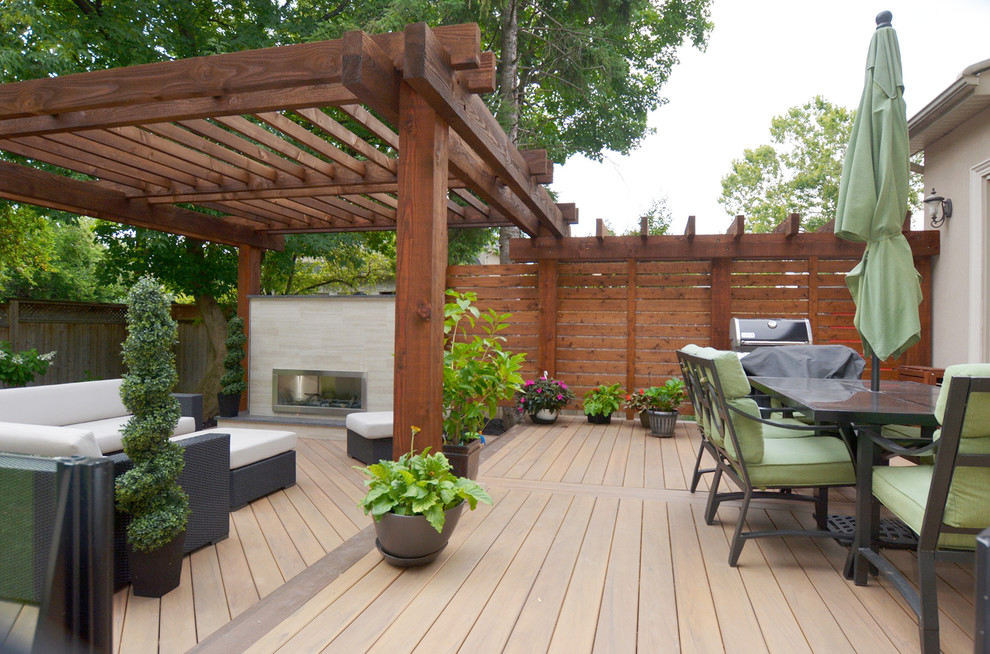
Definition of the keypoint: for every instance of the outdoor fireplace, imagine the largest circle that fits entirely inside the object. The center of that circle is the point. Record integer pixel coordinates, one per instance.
(326, 392)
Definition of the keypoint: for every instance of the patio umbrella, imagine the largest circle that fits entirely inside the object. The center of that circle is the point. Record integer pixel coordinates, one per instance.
(872, 204)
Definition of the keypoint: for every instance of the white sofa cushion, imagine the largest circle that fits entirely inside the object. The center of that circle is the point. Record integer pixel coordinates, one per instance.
(63, 404)
(252, 445)
(108, 431)
(46, 440)
(371, 424)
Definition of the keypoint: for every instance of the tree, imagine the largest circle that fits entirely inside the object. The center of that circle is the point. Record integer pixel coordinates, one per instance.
(799, 173)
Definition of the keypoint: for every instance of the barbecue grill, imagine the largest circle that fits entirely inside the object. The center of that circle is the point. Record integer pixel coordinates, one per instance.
(746, 334)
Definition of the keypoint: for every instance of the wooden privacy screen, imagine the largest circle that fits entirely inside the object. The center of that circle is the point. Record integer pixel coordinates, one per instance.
(594, 322)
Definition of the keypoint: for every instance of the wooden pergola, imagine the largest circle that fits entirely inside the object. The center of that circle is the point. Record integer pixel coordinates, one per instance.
(296, 139)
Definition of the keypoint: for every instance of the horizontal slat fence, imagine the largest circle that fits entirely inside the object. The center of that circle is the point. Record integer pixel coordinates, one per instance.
(88, 337)
(602, 322)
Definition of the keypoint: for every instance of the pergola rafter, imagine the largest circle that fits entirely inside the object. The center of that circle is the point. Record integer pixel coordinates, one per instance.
(368, 132)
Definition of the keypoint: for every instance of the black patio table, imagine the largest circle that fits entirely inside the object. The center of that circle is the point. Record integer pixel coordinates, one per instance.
(851, 402)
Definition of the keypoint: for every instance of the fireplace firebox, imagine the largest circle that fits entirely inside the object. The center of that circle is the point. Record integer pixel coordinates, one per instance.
(327, 392)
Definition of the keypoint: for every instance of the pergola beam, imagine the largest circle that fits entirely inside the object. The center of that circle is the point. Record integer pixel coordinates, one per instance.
(23, 184)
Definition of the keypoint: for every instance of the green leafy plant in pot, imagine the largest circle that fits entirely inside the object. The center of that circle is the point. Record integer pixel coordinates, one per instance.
(663, 416)
(416, 502)
(641, 401)
(232, 382)
(601, 402)
(543, 398)
(149, 491)
(478, 373)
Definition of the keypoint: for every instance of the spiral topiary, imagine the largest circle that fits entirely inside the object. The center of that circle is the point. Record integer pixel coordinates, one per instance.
(149, 492)
(232, 381)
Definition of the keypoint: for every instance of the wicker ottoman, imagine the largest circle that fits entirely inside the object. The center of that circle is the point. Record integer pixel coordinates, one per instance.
(262, 461)
(369, 436)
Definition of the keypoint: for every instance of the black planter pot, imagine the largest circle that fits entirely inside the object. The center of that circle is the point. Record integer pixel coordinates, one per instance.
(644, 419)
(543, 417)
(662, 423)
(598, 419)
(153, 574)
(408, 541)
(464, 459)
(229, 405)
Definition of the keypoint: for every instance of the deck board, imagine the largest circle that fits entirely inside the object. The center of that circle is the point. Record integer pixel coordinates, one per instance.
(594, 544)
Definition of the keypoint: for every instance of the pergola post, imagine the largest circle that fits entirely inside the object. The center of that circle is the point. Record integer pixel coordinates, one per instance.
(248, 283)
(421, 264)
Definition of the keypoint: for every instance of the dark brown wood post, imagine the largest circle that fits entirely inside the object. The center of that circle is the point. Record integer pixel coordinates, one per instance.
(547, 281)
(630, 329)
(248, 283)
(921, 353)
(14, 324)
(421, 264)
(813, 296)
(721, 311)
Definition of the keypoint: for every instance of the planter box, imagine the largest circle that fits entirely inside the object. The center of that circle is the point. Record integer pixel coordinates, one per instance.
(464, 459)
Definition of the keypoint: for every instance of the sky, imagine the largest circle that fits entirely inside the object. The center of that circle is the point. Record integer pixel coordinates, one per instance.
(763, 57)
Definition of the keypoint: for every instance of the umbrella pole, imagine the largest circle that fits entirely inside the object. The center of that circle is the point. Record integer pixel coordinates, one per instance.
(875, 373)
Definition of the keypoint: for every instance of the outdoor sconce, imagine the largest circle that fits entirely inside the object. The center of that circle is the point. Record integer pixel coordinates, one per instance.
(937, 209)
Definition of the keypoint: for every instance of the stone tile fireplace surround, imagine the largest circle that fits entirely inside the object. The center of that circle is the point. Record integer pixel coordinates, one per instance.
(321, 333)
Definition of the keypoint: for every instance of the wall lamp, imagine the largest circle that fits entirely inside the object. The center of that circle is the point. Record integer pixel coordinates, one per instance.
(937, 209)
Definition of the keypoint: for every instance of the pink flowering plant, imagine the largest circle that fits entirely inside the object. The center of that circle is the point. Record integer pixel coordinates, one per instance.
(542, 394)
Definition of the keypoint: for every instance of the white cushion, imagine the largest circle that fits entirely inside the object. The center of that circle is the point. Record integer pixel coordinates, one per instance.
(108, 431)
(46, 440)
(63, 404)
(371, 424)
(252, 445)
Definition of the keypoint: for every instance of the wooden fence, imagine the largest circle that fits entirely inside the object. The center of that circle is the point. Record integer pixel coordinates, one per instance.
(87, 339)
(589, 321)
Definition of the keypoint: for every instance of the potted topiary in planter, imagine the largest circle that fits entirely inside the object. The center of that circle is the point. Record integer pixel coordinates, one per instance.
(601, 402)
(542, 399)
(232, 383)
(149, 491)
(477, 375)
(416, 502)
(663, 418)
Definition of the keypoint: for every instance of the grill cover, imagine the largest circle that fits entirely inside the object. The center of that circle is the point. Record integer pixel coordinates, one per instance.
(748, 333)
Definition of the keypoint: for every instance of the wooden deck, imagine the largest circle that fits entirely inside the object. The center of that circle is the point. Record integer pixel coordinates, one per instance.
(593, 544)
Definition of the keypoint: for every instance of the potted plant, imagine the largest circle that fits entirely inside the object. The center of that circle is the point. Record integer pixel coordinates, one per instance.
(149, 491)
(641, 401)
(232, 382)
(416, 502)
(477, 374)
(601, 402)
(542, 398)
(663, 417)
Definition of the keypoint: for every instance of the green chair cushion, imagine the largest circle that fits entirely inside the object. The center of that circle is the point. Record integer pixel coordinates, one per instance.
(900, 432)
(770, 431)
(904, 490)
(803, 462)
(977, 421)
(749, 433)
(734, 381)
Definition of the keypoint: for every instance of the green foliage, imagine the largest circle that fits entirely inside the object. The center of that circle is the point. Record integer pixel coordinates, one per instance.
(658, 218)
(603, 400)
(477, 372)
(233, 381)
(799, 173)
(543, 394)
(149, 491)
(670, 395)
(418, 484)
(20, 368)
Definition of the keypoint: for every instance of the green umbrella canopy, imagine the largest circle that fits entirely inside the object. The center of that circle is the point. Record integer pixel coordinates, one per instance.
(872, 204)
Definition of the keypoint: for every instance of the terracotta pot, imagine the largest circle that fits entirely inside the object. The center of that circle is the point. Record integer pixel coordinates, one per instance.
(155, 573)
(409, 540)
(543, 417)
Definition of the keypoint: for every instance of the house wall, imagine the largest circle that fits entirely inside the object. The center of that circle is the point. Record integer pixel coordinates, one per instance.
(351, 333)
(960, 302)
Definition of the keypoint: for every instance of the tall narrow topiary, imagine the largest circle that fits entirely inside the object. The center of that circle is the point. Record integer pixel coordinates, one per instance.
(149, 492)
(232, 381)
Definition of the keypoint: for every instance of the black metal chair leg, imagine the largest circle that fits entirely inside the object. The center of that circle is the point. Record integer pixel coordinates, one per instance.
(713, 499)
(737, 538)
(928, 619)
(697, 466)
(821, 507)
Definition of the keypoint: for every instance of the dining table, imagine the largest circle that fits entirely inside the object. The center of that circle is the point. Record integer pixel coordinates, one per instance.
(852, 406)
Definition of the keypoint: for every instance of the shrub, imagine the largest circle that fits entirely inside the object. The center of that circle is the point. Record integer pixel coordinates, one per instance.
(603, 400)
(20, 368)
(149, 491)
(232, 382)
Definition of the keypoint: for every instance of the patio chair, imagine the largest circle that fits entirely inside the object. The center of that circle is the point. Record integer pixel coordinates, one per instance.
(694, 382)
(754, 453)
(946, 503)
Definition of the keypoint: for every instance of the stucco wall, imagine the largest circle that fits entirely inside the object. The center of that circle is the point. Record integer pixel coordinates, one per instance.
(322, 333)
(948, 163)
